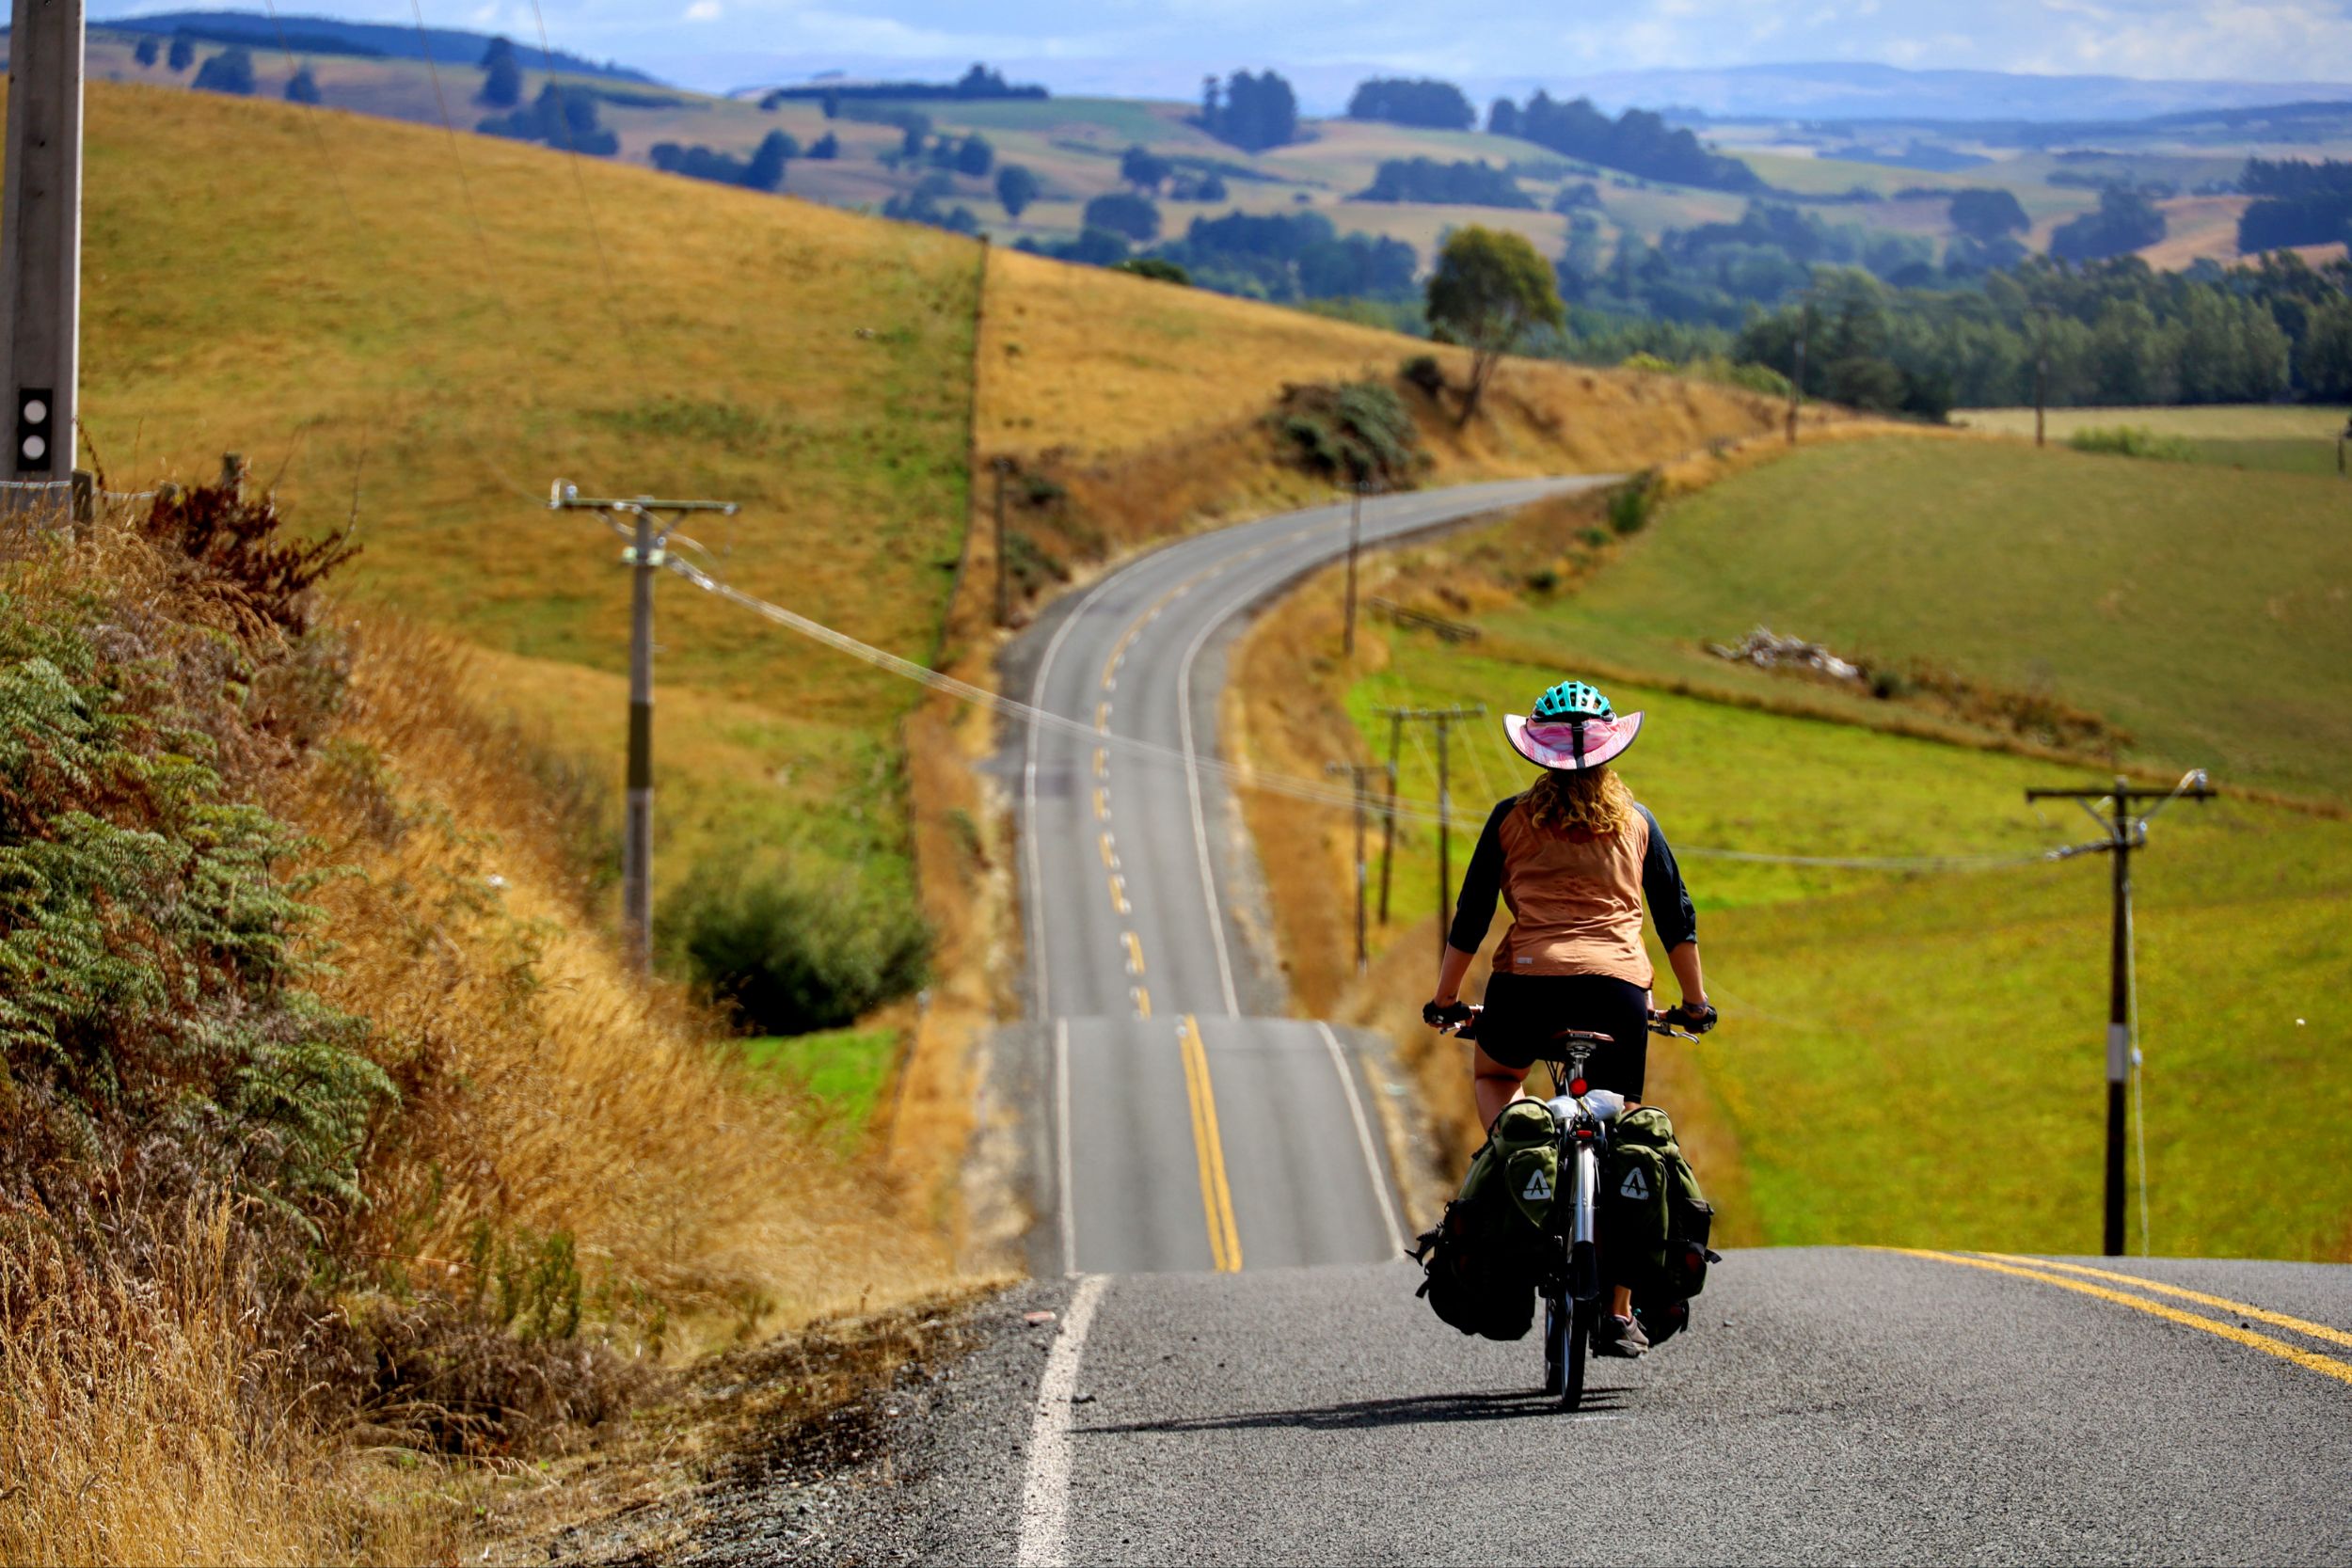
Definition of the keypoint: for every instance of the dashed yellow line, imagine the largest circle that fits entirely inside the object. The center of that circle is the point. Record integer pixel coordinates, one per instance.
(1102, 716)
(1110, 856)
(1102, 763)
(1216, 1195)
(2325, 1366)
(1102, 805)
(1119, 894)
(1134, 952)
(1143, 1000)
(2244, 1309)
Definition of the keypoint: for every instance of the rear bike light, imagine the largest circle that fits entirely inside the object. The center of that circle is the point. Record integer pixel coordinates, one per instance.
(1576, 1086)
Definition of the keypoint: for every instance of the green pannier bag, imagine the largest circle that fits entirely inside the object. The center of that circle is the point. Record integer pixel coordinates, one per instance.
(1482, 1262)
(1655, 1219)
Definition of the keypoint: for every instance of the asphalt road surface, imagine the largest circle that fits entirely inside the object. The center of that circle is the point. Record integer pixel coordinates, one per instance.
(1170, 1058)
(1241, 1373)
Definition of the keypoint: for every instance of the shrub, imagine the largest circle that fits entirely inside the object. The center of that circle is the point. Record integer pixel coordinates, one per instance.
(786, 958)
(1158, 268)
(1631, 503)
(2133, 441)
(229, 71)
(1355, 432)
(1423, 370)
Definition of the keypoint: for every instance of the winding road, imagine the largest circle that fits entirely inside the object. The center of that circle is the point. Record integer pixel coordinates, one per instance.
(1239, 1372)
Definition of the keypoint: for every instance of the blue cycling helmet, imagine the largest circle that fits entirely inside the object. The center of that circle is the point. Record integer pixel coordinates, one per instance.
(1571, 700)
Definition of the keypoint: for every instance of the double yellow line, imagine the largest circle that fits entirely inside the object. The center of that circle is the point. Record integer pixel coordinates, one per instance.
(1217, 1196)
(2078, 1277)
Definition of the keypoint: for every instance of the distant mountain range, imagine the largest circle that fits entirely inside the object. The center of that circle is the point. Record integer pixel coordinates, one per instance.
(1836, 91)
(325, 34)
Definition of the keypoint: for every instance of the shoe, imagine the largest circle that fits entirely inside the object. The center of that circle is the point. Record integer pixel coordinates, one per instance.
(1621, 1337)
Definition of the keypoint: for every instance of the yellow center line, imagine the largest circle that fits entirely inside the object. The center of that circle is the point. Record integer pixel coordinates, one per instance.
(1143, 1000)
(1102, 716)
(2325, 1366)
(1102, 763)
(1119, 894)
(1217, 1196)
(1110, 858)
(1134, 952)
(1118, 649)
(2260, 1314)
(1102, 805)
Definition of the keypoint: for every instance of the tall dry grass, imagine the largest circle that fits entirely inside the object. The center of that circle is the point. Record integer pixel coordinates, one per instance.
(576, 1188)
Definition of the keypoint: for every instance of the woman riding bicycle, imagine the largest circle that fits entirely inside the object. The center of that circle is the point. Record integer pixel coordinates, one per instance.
(1573, 857)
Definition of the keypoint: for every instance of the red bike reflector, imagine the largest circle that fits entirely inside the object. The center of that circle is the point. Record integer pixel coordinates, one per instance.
(1576, 1085)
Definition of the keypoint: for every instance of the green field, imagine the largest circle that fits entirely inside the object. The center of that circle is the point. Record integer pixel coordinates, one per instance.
(844, 1070)
(1916, 1055)
(1949, 1025)
(2207, 612)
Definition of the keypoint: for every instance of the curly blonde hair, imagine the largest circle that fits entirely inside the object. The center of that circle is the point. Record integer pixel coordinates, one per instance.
(1594, 801)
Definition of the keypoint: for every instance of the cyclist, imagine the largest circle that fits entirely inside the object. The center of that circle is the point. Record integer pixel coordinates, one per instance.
(1573, 857)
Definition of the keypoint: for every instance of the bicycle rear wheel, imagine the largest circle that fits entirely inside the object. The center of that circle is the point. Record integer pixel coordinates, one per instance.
(1558, 1318)
(1580, 1335)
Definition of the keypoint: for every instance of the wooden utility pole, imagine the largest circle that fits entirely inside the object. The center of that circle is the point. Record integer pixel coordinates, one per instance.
(40, 237)
(648, 538)
(2041, 375)
(1796, 383)
(1358, 772)
(2126, 831)
(1355, 543)
(1004, 600)
(1444, 718)
(1387, 819)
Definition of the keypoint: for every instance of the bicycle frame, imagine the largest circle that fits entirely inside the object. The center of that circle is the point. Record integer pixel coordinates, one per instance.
(1581, 1140)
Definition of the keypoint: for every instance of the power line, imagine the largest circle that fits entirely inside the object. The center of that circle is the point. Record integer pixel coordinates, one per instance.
(587, 210)
(1241, 775)
(464, 186)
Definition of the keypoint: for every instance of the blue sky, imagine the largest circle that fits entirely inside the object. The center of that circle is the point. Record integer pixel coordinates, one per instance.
(1165, 45)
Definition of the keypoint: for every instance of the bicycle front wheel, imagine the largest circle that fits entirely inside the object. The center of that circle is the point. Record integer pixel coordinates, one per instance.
(1579, 1317)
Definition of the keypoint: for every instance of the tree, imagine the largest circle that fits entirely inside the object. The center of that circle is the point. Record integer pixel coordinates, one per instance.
(766, 170)
(146, 51)
(502, 76)
(1436, 106)
(825, 147)
(1145, 171)
(302, 87)
(975, 157)
(1124, 213)
(1212, 187)
(1258, 112)
(1985, 216)
(2126, 220)
(1488, 290)
(230, 72)
(2324, 364)
(1016, 187)
(182, 53)
(1502, 119)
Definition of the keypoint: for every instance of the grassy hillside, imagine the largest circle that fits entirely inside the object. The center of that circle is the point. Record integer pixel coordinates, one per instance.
(2202, 610)
(433, 332)
(1895, 1006)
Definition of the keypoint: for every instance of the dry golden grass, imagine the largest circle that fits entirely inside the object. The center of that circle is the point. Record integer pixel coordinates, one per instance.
(1094, 364)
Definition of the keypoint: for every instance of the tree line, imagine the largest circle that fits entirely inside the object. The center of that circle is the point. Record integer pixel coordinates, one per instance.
(1637, 142)
(2296, 203)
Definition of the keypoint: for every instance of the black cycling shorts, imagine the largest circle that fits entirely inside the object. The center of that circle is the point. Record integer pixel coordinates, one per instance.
(1525, 1012)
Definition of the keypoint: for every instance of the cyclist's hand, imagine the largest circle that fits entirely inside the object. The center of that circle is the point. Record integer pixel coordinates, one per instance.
(1446, 1016)
(1697, 1018)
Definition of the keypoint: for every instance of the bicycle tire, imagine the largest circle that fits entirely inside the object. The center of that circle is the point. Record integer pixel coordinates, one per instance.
(1582, 1315)
(1558, 1317)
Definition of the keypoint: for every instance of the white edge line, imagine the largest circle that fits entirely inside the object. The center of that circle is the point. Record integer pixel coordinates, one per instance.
(1200, 822)
(1045, 1493)
(1069, 1199)
(1364, 1135)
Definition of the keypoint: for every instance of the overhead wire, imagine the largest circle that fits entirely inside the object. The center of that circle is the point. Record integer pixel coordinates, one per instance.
(1239, 775)
(587, 208)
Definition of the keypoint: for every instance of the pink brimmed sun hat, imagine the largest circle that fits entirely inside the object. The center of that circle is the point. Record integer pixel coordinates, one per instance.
(1573, 728)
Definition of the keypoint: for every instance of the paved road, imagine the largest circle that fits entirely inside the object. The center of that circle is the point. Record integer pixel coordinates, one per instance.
(1832, 1406)
(1169, 1061)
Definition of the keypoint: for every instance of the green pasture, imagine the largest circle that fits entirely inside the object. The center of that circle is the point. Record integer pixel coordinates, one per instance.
(2229, 422)
(843, 1070)
(2206, 611)
(1916, 1057)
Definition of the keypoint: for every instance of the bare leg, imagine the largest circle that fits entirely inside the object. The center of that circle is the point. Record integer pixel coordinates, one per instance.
(1494, 1085)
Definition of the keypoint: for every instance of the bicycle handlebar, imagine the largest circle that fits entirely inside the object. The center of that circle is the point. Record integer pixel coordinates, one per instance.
(1461, 1019)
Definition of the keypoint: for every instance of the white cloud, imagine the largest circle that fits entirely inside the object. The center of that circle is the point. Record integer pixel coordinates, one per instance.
(703, 10)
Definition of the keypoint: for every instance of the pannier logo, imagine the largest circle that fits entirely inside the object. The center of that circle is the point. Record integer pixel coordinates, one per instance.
(1635, 1186)
(1538, 1186)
